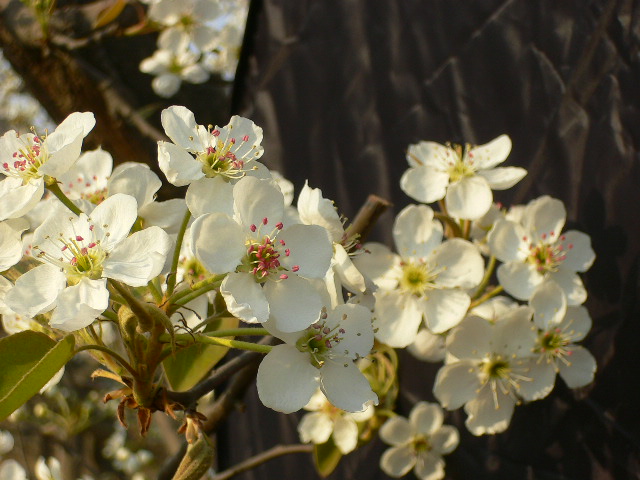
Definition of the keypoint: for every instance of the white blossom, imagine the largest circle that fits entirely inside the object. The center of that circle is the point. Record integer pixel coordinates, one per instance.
(463, 177)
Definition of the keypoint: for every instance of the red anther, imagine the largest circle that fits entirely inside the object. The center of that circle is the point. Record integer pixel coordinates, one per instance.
(265, 220)
(91, 228)
(284, 276)
(251, 248)
(79, 179)
(95, 177)
(282, 243)
(245, 138)
(279, 226)
(326, 330)
(295, 268)
(287, 252)
(215, 133)
(569, 352)
(253, 228)
(563, 237)
(232, 141)
(64, 247)
(15, 154)
(342, 330)
(543, 236)
(84, 251)
(525, 239)
(328, 343)
(88, 184)
(570, 246)
(74, 261)
(79, 238)
(36, 139)
(318, 337)
(92, 244)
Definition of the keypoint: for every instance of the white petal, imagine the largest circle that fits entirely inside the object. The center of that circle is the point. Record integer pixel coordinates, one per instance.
(398, 461)
(349, 275)
(426, 417)
(64, 151)
(255, 200)
(178, 165)
(543, 379)
(83, 121)
(581, 369)
(514, 335)
(17, 199)
(378, 263)
(491, 154)
(310, 249)
(210, 195)
(397, 431)
(425, 184)
(430, 153)
(139, 258)
(471, 339)
(484, 416)
(544, 218)
(167, 215)
(314, 209)
(397, 318)
(469, 198)
(503, 178)
(355, 320)
(445, 440)
(456, 384)
(576, 323)
(444, 309)
(345, 386)
(36, 291)
(519, 279)
(345, 434)
(195, 74)
(244, 298)
(12, 470)
(179, 124)
(506, 241)
(315, 428)
(166, 85)
(572, 286)
(459, 263)
(286, 380)
(10, 246)
(427, 346)
(294, 303)
(218, 242)
(578, 252)
(116, 215)
(549, 304)
(137, 180)
(79, 305)
(429, 466)
(415, 232)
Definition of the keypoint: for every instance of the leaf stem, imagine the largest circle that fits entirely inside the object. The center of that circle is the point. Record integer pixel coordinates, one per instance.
(111, 353)
(486, 296)
(54, 188)
(224, 342)
(487, 277)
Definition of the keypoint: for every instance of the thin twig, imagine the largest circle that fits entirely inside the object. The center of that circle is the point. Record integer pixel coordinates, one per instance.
(367, 216)
(275, 452)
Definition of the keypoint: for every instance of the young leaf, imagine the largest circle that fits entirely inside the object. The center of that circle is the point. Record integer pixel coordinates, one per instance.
(188, 366)
(29, 360)
(326, 457)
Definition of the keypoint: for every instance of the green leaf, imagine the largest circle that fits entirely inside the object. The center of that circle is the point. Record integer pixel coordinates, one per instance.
(29, 360)
(190, 365)
(326, 457)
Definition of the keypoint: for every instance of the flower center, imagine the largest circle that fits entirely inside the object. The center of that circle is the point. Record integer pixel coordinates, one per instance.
(319, 340)
(553, 344)
(496, 368)
(502, 373)
(417, 278)
(194, 271)
(28, 159)
(548, 257)
(221, 159)
(421, 444)
(263, 255)
(460, 169)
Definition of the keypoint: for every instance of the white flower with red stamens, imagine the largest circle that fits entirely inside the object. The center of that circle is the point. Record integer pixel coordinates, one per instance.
(428, 279)
(197, 152)
(327, 421)
(535, 249)
(463, 177)
(79, 254)
(418, 443)
(492, 368)
(171, 68)
(559, 327)
(322, 356)
(26, 159)
(268, 262)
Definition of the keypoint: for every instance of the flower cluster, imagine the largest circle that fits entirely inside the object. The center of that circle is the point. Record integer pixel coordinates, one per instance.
(88, 250)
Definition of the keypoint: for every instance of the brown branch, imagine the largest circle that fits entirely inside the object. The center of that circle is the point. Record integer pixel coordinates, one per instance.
(275, 452)
(367, 216)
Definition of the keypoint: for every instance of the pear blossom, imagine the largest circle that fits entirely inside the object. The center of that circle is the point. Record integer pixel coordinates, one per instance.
(6, 442)
(12, 470)
(198, 152)
(326, 421)
(187, 22)
(171, 68)
(268, 263)
(49, 469)
(322, 355)
(463, 177)
(314, 209)
(86, 183)
(492, 369)
(426, 280)
(535, 249)
(559, 327)
(26, 159)
(79, 253)
(418, 443)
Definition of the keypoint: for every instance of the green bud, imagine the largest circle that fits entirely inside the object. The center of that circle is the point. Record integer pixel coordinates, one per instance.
(198, 459)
